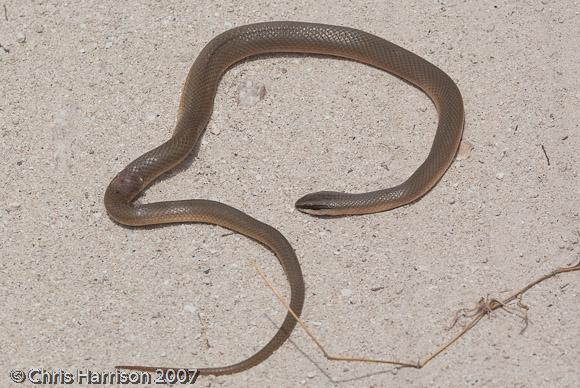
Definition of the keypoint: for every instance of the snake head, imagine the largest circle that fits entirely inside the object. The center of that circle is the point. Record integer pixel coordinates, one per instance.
(322, 203)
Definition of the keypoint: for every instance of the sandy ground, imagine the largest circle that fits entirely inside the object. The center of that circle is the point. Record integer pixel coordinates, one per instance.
(88, 86)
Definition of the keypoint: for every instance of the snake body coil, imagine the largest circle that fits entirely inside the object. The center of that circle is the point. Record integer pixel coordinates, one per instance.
(195, 109)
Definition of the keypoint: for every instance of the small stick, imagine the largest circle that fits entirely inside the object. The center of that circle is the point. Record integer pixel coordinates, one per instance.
(484, 307)
(5, 12)
(468, 327)
(546, 154)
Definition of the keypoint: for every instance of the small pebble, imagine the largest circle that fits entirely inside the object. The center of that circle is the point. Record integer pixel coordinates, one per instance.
(189, 308)
(20, 37)
(39, 28)
(311, 375)
(108, 45)
(464, 150)
(499, 175)
(346, 292)
(250, 92)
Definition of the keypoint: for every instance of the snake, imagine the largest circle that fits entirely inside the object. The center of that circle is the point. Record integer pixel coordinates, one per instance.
(196, 106)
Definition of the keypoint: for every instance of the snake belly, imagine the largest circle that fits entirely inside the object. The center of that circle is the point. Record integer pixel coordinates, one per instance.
(195, 108)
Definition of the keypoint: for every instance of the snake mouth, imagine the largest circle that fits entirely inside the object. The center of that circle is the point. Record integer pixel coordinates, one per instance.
(319, 210)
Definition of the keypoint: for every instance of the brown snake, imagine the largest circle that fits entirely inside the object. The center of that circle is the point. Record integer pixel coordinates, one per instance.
(195, 109)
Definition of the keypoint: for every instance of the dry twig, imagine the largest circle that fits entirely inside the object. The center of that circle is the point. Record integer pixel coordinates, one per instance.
(485, 306)
(546, 154)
